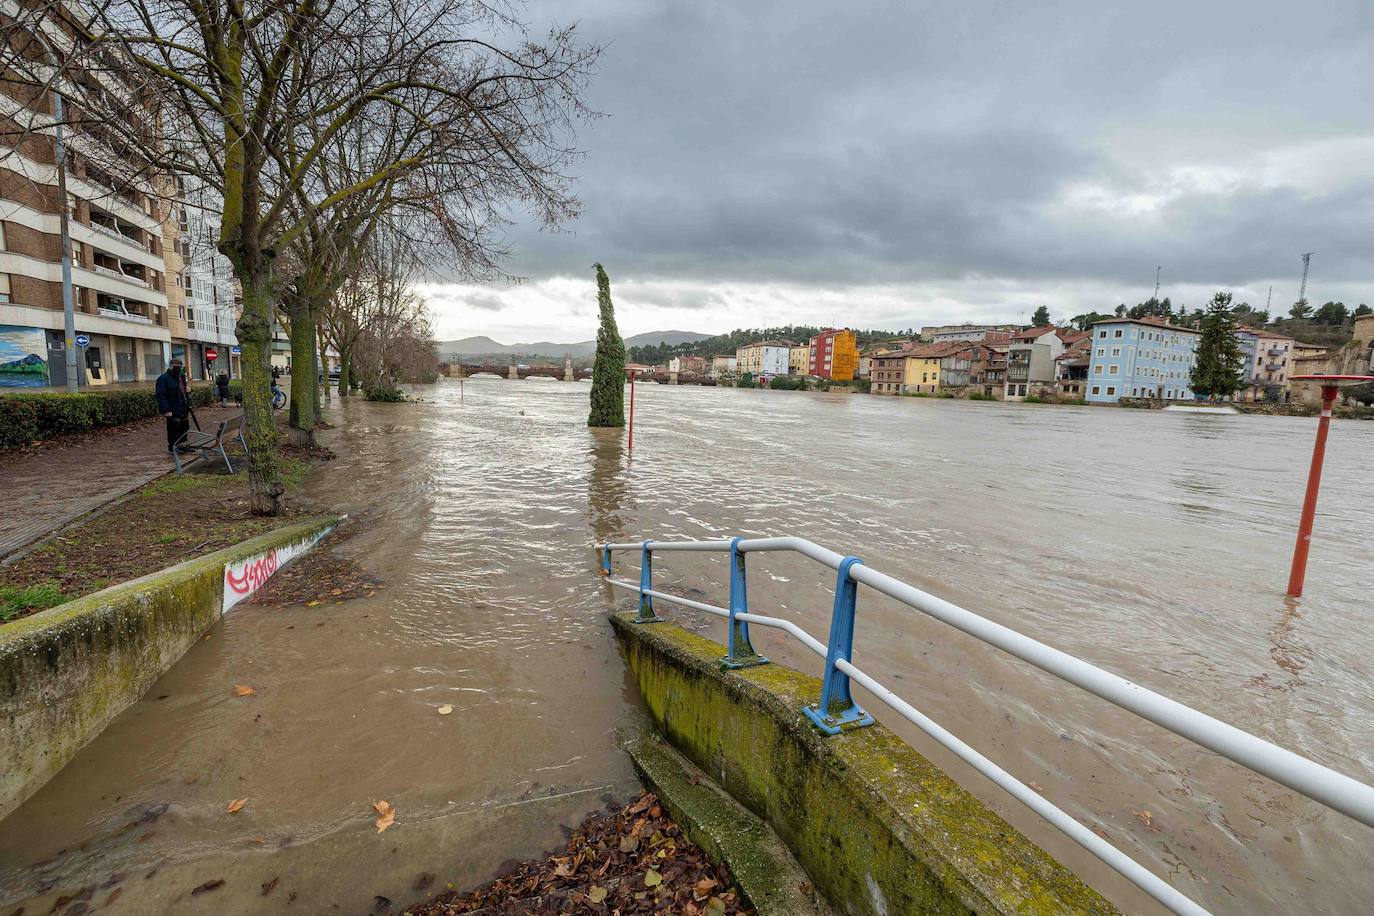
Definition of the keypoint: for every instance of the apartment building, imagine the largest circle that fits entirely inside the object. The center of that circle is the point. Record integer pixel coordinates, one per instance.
(722, 365)
(118, 242)
(764, 357)
(1268, 362)
(1140, 358)
(203, 280)
(833, 354)
(798, 359)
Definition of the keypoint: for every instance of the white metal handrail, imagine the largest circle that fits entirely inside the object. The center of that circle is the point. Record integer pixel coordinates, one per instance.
(1320, 783)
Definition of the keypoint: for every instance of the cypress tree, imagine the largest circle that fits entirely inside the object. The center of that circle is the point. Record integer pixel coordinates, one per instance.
(608, 372)
(1217, 372)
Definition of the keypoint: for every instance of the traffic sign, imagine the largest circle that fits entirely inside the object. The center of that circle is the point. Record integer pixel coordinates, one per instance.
(83, 341)
(236, 350)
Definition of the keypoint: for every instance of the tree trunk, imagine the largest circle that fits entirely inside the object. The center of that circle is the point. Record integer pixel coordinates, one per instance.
(345, 370)
(254, 330)
(304, 381)
(324, 367)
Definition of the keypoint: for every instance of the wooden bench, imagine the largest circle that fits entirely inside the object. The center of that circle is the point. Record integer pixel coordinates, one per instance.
(206, 445)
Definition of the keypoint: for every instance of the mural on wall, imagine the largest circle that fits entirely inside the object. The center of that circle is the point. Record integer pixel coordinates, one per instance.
(23, 362)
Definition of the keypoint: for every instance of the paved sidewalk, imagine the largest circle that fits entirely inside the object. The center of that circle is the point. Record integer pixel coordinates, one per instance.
(49, 486)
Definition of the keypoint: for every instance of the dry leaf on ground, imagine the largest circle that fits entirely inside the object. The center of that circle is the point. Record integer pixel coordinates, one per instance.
(236, 804)
(445, 709)
(243, 690)
(386, 814)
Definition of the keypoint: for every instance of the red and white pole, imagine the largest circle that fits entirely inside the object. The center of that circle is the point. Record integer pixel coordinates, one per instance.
(631, 448)
(1309, 504)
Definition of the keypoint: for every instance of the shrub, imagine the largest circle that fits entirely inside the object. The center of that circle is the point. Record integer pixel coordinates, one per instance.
(918, 394)
(979, 396)
(745, 381)
(1033, 399)
(788, 383)
(25, 418)
(18, 422)
(383, 389)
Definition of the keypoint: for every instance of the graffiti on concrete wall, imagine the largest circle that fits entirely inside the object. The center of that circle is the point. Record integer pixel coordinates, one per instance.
(23, 360)
(246, 576)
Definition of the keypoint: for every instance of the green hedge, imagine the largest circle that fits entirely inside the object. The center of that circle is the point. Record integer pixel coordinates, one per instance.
(25, 418)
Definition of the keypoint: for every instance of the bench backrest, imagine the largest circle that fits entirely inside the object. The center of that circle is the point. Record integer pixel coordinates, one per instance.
(230, 426)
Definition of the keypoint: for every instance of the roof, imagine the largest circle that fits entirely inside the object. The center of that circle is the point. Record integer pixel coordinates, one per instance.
(1271, 335)
(1071, 338)
(1149, 322)
(1034, 333)
(765, 343)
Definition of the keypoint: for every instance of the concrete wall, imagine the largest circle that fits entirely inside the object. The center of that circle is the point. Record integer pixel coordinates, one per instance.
(880, 829)
(66, 672)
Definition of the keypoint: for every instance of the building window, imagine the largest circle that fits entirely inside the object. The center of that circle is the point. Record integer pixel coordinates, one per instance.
(3, 246)
(1111, 390)
(1102, 334)
(1097, 370)
(1111, 370)
(1116, 351)
(4, 287)
(1097, 389)
(1118, 333)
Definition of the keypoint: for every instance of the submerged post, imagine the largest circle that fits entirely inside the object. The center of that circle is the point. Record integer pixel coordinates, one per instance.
(837, 709)
(740, 653)
(1330, 386)
(630, 449)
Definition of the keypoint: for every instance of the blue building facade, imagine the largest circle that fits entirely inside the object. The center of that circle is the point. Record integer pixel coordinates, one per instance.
(1140, 359)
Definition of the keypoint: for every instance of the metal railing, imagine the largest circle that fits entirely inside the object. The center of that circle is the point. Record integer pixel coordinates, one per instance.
(836, 710)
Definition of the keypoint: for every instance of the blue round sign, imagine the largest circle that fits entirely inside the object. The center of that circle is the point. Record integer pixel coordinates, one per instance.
(83, 341)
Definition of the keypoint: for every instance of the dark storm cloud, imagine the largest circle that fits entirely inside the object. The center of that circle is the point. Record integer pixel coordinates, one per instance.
(819, 143)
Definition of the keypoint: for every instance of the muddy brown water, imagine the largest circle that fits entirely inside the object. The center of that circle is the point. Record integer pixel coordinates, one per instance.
(1155, 545)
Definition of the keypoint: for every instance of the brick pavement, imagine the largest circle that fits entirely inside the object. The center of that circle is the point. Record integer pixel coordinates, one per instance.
(44, 488)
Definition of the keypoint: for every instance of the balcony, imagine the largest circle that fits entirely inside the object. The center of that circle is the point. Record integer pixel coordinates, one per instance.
(1274, 367)
(123, 315)
(119, 274)
(1275, 351)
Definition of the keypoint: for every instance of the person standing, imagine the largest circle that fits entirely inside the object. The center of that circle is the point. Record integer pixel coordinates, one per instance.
(172, 402)
(222, 383)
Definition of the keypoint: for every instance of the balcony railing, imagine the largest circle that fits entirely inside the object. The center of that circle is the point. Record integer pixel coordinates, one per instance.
(111, 272)
(123, 315)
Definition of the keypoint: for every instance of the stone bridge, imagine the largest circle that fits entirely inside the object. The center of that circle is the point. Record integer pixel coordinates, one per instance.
(565, 374)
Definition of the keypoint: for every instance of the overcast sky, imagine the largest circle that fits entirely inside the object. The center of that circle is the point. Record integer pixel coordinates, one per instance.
(900, 164)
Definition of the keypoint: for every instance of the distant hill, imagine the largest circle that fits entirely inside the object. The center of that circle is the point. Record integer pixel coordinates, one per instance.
(485, 346)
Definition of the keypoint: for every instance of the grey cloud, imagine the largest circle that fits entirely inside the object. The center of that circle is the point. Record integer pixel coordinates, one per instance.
(810, 143)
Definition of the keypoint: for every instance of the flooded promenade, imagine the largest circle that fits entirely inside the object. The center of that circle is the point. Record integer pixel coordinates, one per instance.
(1154, 545)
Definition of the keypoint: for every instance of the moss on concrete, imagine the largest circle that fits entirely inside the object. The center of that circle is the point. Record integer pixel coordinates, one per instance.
(764, 871)
(66, 672)
(879, 828)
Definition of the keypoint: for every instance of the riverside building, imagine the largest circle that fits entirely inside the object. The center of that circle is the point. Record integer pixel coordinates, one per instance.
(1140, 358)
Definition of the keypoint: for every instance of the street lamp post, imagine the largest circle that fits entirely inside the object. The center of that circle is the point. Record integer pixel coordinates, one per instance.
(1331, 384)
(68, 308)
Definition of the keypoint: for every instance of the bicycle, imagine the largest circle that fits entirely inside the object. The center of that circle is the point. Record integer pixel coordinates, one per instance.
(278, 397)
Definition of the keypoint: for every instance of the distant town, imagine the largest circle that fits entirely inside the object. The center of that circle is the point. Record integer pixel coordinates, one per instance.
(1141, 356)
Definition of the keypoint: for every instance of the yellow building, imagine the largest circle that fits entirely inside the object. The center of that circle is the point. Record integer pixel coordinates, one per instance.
(797, 359)
(910, 371)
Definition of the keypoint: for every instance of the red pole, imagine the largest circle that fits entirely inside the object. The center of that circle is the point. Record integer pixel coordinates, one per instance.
(1309, 505)
(632, 412)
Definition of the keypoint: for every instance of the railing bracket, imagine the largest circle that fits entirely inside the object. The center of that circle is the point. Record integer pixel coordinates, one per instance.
(646, 585)
(837, 710)
(739, 652)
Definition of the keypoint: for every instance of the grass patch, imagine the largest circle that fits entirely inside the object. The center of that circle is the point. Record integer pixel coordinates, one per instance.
(167, 522)
(20, 600)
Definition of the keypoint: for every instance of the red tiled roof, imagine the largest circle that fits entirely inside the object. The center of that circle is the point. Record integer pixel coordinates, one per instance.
(1034, 333)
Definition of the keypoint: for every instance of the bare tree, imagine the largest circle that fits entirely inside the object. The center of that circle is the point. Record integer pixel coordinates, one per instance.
(253, 97)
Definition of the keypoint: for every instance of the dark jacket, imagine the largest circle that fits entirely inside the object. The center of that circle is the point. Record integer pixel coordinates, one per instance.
(222, 383)
(170, 398)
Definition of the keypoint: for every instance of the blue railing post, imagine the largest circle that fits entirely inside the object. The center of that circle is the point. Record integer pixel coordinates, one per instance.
(646, 584)
(606, 560)
(741, 653)
(837, 709)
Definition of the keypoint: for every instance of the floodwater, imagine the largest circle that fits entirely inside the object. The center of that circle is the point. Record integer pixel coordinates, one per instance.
(1152, 544)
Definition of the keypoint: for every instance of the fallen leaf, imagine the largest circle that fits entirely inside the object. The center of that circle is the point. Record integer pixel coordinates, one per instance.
(629, 843)
(336, 592)
(270, 886)
(596, 893)
(652, 878)
(313, 603)
(1147, 819)
(243, 690)
(114, 895)
(643, 803)
(445, 709)
(564, 869)
(236, 804)
(386, 814)
(705, 886)
(715, 906)
(208, 886)
(1037, 787)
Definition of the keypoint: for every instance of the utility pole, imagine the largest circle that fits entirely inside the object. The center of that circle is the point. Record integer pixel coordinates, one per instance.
(68, 309)
(1269, 299)
(1157, 270)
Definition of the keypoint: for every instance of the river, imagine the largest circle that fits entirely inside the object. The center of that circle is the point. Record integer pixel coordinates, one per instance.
(1152, 544)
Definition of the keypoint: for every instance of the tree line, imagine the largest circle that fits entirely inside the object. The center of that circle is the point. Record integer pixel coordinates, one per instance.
(341, 145)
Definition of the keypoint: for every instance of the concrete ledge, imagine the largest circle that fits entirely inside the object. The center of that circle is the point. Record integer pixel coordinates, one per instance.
(66, 672)
(768, 877)
(880, 829)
